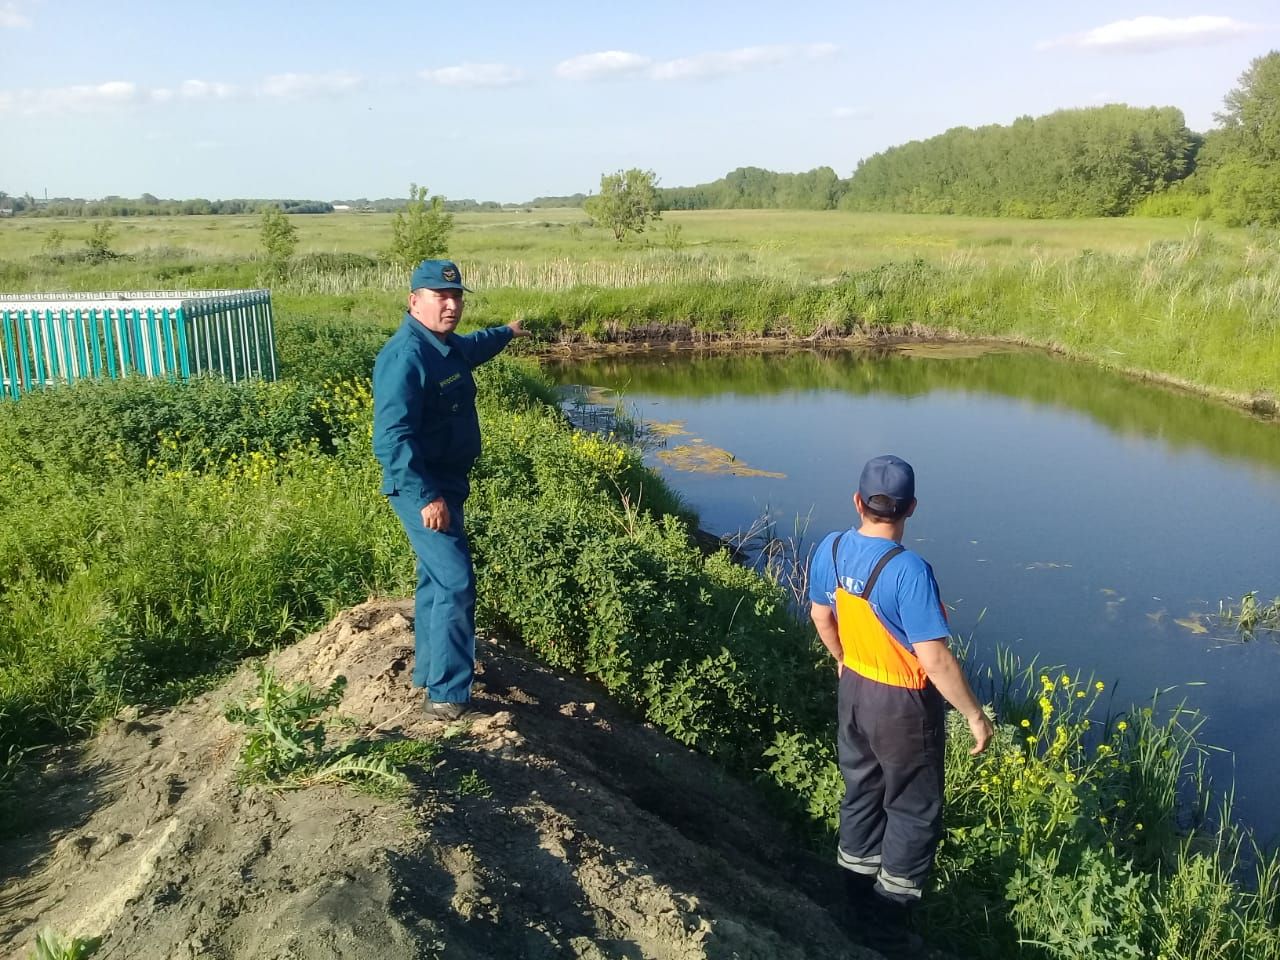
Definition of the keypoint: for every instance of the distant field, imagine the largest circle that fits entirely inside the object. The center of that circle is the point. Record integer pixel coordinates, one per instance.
(781, 244)
(1184, 300)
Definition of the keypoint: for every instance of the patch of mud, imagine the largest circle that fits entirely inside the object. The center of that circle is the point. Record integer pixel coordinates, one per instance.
(950, 349)
(703, 458)
(673, 428)
(592, 836)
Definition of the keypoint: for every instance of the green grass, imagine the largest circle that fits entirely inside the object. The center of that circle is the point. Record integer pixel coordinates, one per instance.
(142, 548)
(1156, 296)
(115, 591)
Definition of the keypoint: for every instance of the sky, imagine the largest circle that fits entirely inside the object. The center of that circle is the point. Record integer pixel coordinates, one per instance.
(511, 100)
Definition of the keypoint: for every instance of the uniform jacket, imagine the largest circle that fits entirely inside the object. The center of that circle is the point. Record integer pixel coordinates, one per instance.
(426, 433)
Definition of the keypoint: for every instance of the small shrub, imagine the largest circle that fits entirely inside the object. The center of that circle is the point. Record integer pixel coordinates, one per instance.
(286, 738)
(471, 784)
(420, 230)
(98, 244)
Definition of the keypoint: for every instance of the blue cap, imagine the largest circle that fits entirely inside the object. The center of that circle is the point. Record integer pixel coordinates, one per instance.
(437, 275)
(887, 485)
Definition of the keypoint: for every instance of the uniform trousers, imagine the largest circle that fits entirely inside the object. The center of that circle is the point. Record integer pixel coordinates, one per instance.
(444, 627)
(890, 743)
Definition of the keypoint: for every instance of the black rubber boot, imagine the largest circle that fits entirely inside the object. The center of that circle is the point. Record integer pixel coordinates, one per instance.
(889, 932)
(860, 904)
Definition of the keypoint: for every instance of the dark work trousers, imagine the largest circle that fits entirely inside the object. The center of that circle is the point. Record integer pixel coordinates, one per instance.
(890, 747)
(444, 629)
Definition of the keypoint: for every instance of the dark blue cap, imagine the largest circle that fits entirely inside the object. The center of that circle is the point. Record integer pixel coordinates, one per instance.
(892, 481)
(437, 275)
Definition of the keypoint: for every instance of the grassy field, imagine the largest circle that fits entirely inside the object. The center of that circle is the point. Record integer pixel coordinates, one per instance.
(151, 534)
(800, 245)
(1158, 296)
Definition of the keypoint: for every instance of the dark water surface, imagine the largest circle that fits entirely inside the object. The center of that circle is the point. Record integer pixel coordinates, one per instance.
(1069, 513)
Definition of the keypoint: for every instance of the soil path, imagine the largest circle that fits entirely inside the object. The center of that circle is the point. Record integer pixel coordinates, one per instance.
(592, 836)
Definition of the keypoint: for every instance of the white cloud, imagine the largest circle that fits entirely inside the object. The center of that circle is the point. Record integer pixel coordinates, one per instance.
(295, 86)
(475, 75)
(848, 113)
(713, 63)
(205, 90)
(72, 98)
(598, 66)
(1154, 33)
(288, 86)
(12, 17)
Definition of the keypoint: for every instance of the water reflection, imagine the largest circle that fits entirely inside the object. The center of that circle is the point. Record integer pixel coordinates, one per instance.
(1071, 514)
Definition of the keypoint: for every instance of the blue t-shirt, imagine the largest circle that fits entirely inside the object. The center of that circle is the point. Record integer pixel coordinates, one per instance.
(905, 597)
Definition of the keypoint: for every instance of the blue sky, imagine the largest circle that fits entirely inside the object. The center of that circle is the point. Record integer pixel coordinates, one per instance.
(507, 101)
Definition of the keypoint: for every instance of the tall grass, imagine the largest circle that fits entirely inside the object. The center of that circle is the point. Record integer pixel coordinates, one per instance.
(1154, 296)
(1065, 840)
(140, 551)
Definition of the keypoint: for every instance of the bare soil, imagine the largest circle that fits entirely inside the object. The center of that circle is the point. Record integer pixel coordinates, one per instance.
(582, 833)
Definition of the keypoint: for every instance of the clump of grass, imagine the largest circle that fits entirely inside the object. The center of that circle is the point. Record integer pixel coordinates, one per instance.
(1251, 615)
(471, 784)
(51, 945)
(1094, 829)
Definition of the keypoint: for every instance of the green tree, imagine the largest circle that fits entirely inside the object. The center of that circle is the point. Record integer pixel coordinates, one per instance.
(98, 243)
(627, 201)
(278, 236)
(1243, 156)
(420, 230)
(1095, 162)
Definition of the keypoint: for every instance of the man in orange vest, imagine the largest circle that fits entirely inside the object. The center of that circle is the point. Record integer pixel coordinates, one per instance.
(877, 610)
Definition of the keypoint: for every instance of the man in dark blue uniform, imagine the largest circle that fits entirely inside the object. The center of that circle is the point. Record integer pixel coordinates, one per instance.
(426, 435)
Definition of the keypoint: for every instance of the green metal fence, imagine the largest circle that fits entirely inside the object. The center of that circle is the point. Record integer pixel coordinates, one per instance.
(47, 339)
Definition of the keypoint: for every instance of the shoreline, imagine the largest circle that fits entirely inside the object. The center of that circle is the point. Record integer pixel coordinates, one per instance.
(1260, 407)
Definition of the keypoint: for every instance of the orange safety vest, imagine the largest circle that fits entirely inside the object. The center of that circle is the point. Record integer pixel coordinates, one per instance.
(870, 649)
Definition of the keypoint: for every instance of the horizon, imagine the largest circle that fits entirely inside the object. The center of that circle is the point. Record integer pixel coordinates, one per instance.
(511, 104)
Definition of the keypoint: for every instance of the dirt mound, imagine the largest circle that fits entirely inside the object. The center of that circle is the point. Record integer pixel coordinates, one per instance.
(579, 834)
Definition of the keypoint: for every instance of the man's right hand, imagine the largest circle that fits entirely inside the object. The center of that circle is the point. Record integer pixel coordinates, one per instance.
(435, 515)
(982, 732)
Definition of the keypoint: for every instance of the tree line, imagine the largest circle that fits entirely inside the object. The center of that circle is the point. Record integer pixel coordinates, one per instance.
(150, 206)
(1104, 161)
(1094, 162)
(1099, 161)
(758, 189)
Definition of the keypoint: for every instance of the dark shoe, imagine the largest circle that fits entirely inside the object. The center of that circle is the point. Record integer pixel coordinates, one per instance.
(889, 931)
(859, 906)
(450, 712)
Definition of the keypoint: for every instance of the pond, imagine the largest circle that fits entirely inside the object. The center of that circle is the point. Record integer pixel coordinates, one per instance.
(1070, 514)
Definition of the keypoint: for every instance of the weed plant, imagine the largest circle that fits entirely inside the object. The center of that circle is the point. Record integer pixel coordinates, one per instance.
(286, 739)
(51, 945)
(1251, 615)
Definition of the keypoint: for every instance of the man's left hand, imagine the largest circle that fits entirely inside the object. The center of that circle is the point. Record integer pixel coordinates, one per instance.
(517, 330)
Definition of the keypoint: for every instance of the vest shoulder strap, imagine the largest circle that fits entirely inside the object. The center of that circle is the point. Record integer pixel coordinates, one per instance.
(875, 571)
(880, 565)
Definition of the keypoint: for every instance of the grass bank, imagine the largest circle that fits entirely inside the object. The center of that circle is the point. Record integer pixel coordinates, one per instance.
(145, 549)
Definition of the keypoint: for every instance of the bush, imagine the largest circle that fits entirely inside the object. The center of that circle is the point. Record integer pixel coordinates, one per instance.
(97, 428)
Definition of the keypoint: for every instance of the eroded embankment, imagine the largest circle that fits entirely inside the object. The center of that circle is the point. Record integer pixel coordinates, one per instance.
(589, 835)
